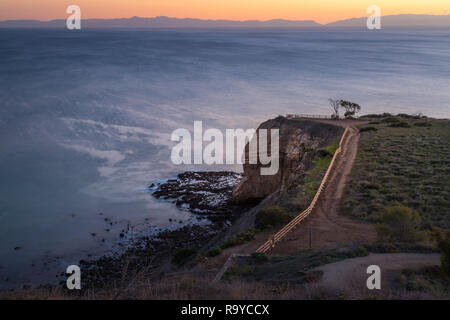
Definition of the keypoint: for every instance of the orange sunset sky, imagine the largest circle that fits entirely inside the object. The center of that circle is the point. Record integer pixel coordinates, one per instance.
(322, 11)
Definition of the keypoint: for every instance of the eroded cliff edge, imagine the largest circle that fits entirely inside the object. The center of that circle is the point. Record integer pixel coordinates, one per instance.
(300, 143)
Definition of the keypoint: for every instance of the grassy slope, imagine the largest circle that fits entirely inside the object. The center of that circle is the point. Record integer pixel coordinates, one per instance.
(314, 178)
(408, 166)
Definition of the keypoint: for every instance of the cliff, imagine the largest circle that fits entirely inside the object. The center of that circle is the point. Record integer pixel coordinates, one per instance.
(299, 144)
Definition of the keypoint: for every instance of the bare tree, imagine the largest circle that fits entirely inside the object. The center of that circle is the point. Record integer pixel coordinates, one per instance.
(335, 104)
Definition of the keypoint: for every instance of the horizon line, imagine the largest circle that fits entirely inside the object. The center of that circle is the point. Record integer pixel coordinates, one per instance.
(231, 20)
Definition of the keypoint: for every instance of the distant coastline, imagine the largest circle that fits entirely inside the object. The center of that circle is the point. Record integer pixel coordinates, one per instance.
(390, 21)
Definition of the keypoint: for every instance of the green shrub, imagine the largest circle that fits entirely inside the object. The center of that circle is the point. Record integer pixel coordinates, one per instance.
(368, 129)
(229, 243)
(214, 251)
(395, 247)
(444, 247)
(241, 238)
(366, 185)
(442, 238)
(272, 217)
(324, 153)
(400, 124)
(411, 116)
(383, 115)
(332, 147)
(259, 257)
(361, 252)
(182, 255)
(423, 124)
(399, 224)
(390, 120)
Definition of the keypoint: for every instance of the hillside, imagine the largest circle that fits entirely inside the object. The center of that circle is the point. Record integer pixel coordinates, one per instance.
(402, 161)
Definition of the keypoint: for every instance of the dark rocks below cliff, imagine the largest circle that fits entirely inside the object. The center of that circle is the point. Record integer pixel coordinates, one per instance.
(207, 194)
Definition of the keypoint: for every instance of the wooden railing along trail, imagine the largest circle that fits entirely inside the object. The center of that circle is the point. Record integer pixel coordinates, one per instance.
(310, 116)
(294, 222)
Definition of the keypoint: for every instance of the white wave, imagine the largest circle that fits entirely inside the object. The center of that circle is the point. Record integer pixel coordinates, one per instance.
(120, 132)
(111, 156)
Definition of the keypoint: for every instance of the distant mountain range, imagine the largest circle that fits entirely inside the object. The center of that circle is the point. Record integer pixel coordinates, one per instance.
(402, 20)
(405, 20)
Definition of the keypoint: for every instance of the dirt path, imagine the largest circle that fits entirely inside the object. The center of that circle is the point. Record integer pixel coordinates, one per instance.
(329, 225)
(351, 274)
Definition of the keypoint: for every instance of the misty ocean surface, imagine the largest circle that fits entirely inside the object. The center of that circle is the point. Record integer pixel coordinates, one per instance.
(86, 117)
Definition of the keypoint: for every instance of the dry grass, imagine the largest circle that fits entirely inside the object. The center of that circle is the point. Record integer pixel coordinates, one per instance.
(201, 288)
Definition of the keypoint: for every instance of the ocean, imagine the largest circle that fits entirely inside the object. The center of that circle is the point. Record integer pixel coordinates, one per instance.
(86, 117)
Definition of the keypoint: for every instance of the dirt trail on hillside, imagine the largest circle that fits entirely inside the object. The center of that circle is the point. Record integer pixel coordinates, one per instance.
(351, 274)
(329, 225)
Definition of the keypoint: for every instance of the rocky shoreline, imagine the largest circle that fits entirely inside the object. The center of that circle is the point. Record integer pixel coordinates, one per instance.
(205, 194)
(145, 254)
(217, 200)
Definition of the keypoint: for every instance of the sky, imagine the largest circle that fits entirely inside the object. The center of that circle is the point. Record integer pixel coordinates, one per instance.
(322, 11)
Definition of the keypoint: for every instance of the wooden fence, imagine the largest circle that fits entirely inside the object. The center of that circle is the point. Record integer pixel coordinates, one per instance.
(294, 222)
(312, 116)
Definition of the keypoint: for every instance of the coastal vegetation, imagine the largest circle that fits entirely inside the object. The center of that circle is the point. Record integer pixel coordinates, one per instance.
(432, 280)
(428, 280)
(364, 129)
(214, 251)
(240, 238)
(405, 165)
(442, 241)
(399, 224)
(313, 179)
(271, 217)
(183, 255)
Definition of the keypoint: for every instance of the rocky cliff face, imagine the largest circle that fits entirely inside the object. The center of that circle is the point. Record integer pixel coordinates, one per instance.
(298, 144)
